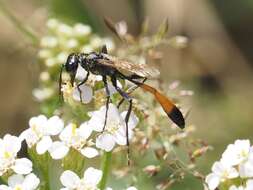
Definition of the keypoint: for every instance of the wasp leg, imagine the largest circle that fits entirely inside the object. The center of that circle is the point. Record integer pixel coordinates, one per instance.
(129, 99)
(78, 86)
(131, 90)
(60, 84)
(107, 100)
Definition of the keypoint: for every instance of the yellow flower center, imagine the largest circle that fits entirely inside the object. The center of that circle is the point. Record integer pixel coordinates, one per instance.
(112, 127)
(7, 155)
(17, 187)
(74, 126)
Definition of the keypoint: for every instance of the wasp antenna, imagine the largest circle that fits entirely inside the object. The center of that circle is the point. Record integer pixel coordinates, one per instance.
(60, 84)
(104, 49)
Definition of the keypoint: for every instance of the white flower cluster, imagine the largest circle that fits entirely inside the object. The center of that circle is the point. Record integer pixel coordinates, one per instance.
(64, 39)
(50, 135)
(61, 40)
(41, 130)
(9, 147)
(236, 164)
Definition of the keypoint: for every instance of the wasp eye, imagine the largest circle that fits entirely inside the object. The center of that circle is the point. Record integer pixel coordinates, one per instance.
(72, 63)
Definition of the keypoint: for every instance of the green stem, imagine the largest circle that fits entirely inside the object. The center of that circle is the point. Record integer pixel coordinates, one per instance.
(41, 163)
(19, 25)
(105, 166)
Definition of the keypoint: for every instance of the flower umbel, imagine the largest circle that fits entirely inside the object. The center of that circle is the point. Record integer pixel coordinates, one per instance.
(40, 131)
(74, 137)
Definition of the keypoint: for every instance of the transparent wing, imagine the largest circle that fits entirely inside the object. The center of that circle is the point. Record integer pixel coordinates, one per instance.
(141, 70)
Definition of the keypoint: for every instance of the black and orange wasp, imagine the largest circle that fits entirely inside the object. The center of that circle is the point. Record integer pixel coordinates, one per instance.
(111, 67)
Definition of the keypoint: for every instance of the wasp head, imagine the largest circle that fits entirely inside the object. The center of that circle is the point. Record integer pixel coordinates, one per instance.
(71, 66)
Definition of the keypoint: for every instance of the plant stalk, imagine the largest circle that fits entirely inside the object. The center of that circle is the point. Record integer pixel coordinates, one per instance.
(105, 166)
(19, 25)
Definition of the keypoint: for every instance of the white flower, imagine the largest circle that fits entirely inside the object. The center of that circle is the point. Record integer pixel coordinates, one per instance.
(19, 182)
(233, 187)
(131, 188)
(9, 147)
(49, 42)
(115, 130)
(86, 94)
(52, 23)
(249, 184)
(40, 131)
(42, 94)
(236, 153)
(64, 30)
(220, 172)
(74, 137)
(90, 180)
(246, 167)
(82, 30)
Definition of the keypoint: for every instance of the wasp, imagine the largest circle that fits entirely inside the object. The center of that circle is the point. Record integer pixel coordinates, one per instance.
(111, 67)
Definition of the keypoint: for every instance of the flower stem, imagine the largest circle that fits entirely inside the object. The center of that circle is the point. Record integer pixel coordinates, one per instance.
(19, 25)
(105, 166)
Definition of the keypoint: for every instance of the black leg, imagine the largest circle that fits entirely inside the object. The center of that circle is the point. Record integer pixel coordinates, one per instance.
(129, 99)
(78, 86)
(107, 100)
(60, 84)
(129, 92)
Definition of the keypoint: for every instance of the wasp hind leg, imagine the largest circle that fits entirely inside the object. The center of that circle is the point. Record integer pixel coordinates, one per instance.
(131, 90)
(129, 99)
(107, 100)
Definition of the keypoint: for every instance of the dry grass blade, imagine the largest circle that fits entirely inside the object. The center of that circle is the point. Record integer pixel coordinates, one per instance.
(111, 25)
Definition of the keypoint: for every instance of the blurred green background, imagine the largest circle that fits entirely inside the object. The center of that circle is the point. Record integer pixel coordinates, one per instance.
(217, 64)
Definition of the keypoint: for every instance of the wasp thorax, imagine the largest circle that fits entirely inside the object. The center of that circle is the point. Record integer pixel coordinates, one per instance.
(72, 63)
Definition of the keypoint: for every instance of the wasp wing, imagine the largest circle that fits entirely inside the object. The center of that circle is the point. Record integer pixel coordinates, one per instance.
(128, 68)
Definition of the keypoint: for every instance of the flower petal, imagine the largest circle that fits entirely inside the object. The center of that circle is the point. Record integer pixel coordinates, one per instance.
(44, 144)
(54, 125)
(213, 181)
(246, 169)
(131, 188)
(133, 119)
(89, 152)
(105, 142)
(80, 73)
(67, 132)
(87, 94)
(85, 130)
(12, 144)
(92, 176)
(58, 150)
(22, 166)
(5, 187)
(15, 179)
(31, 181)
(120, 137)
(69, 179)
